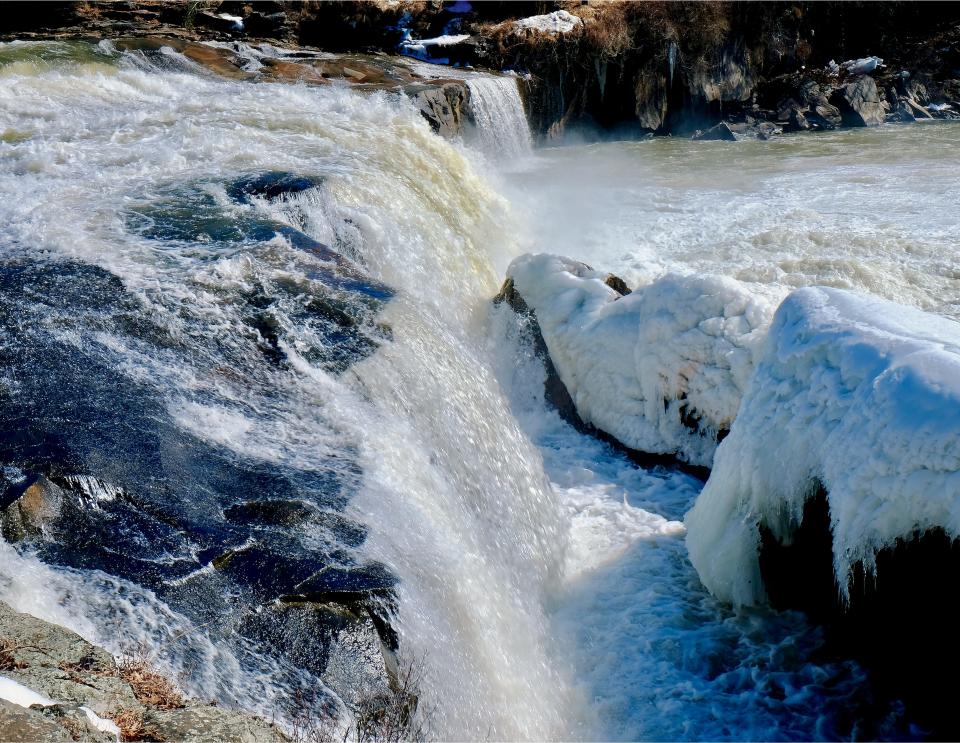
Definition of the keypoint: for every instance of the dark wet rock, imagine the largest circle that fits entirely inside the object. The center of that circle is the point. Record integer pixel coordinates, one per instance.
(266, 572)
(767, 130)
(901, 114)
(32, 506)
(825, 116)
(137, 495)
(271, 185)
(265, 24)
(556, 393)
(340, 644)
(271, 512)
(798, 120)
(720, 132)
(334, 584)
(216, 22)
(900, 618)
(915, 109)
(859, 103)
(72, 672)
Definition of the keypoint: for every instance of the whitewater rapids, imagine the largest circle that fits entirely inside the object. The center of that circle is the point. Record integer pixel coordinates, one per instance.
(542, 577)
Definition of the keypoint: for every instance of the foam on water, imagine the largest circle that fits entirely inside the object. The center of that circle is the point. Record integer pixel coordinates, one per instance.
(864, 209)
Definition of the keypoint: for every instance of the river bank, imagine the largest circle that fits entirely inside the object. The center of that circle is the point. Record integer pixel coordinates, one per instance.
(586, 71)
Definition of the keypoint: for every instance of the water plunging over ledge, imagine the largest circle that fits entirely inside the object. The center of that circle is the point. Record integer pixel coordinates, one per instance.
(246, 338)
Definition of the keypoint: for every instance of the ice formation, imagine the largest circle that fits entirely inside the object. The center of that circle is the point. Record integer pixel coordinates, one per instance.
(557, 22)
(863, 66)
(662, 369)
(856, 393)
(420, 48)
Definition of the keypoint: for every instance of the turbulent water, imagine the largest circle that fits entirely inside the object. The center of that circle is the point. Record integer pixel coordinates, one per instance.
(197, 343)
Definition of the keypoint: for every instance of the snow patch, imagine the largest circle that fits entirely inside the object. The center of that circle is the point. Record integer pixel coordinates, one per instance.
(662, 369)
(24, 696)
(557, 22)
(104, 726)
(854, 392)
(419, 48)
(863, 66)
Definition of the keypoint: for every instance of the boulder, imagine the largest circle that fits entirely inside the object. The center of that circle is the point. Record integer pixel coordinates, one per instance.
(768, 130)
(90, 691)
(798, 121)
(918, 111)
(823, 115)
(901, 114)
(720, 132)
(32, 507)
(859, 103)
(443, 105)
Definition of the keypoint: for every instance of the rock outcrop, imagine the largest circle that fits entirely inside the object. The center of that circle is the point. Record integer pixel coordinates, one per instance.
(89, 696)
(859, 103)
(617, 68)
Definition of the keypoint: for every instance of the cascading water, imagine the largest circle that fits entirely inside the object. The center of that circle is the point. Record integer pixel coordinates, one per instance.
(502, 130)
(253, 350)
(245, 334)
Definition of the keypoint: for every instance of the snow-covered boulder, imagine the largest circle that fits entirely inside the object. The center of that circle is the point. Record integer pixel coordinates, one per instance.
(855, 395)
(557, 22)
(662, 369)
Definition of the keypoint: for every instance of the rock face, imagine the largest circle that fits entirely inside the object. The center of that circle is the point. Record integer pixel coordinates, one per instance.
(90, 691)
(859, 103)
(443, 105)
(720, 132)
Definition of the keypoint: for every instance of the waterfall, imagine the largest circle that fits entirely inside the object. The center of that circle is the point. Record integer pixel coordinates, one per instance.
(220, 318)
(501, 125)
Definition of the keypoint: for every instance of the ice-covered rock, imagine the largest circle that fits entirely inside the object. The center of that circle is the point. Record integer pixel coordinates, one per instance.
(427, 49)
(557, 22)
(854, 394)
(862, 66)
(662, 369)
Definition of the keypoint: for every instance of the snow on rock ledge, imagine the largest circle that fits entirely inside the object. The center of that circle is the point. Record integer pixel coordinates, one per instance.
(854, 393)
(557, 22)
(662, 369)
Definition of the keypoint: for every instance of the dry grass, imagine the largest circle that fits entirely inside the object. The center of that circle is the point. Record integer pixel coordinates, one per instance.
(149, 687)
(133, 726)
(8, 658)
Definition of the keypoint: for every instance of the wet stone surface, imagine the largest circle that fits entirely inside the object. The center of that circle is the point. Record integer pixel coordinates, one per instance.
(97, 471)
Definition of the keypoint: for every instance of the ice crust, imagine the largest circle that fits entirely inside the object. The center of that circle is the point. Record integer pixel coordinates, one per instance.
(854, 392)
(557, 22)
(638, 366)
(849, 391)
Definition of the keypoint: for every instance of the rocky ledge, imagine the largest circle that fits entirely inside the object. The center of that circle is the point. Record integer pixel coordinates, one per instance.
(54, 685)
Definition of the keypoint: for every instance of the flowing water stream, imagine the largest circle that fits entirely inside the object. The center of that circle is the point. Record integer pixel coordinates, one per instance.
(216, 294)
